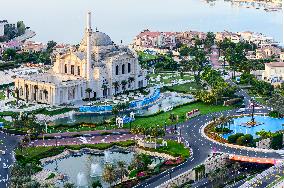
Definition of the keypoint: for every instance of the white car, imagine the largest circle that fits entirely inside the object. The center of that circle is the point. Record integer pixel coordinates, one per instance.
(4, 165)
(241, 110)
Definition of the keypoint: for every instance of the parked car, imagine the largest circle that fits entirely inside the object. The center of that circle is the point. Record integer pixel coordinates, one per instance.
(5, 165)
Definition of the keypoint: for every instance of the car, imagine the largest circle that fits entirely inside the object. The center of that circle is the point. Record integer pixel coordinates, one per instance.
(3, 152)
(4, 165)
(241, 110)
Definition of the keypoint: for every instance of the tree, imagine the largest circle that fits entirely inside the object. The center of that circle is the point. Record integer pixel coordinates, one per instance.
(123, 83)
(277, 141)
(17, 93)
(97, 184)
(69, 185)
(140, 162)
(109, 174)
(21, 28)
(9, 54)
(130, 80)
(276, 101)
(89, 91)
(116, 86)
(121, 170)
(50, 45)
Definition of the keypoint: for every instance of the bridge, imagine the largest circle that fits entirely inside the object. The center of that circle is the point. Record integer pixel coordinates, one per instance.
(255, 159)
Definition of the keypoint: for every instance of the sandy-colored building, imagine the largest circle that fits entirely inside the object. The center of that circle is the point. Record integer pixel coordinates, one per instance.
(274, 72)
(98, 64)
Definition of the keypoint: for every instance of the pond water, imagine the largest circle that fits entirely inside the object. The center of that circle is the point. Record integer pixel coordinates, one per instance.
(267, 124)
(85, 169)
(64, 20)
(168, 99)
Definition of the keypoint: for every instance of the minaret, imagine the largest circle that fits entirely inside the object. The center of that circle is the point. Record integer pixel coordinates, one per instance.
(89, 32)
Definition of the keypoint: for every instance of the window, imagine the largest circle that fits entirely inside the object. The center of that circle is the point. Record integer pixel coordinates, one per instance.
(72, 69)
(129, 67)
(123, 69)
(65, 68)
(79, 70)
(116, 70)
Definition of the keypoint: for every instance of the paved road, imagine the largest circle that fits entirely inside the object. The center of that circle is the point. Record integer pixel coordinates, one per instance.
(202, 147)
(91, 139)
(8, 145)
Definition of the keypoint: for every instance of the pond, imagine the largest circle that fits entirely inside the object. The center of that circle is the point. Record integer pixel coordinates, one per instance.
(266, 123)
(84, 169)
(168, 99)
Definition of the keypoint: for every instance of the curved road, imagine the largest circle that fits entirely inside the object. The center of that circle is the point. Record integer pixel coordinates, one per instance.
(202, 147)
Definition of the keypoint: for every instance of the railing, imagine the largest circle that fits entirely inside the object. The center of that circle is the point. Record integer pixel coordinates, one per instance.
(134, 104)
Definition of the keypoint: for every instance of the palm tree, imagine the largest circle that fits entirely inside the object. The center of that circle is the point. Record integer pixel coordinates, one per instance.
(123, 83)
(122, 170)
(115, 85)
(130, 80)
(8, 92)
(109, 174)
(17, 92)
(69, 185)
(89, 91)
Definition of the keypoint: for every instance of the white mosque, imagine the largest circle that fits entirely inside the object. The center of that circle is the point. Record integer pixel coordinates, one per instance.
(97, 66)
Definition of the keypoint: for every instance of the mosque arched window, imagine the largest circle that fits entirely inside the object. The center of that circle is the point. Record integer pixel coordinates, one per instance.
(123, 69)
(65, 68)
(116, 70)
(79, 70)
(72, 69)
(129, 67)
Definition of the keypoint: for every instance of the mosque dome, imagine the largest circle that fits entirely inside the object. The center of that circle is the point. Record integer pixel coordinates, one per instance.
(97, 39)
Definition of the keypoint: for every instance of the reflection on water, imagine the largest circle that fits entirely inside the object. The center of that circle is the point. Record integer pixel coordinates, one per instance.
(85, 169)
(168, 99)
(268, 124)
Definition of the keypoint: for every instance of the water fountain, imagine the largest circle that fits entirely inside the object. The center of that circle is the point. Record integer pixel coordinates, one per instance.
(71, 117)
(252, 122)
(107, 156)
(96, 170)
(82, 180)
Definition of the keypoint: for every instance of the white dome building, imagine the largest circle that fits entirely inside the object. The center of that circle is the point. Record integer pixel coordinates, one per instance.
(98, 64)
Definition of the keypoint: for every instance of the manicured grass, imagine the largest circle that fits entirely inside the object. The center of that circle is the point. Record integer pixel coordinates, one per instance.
(185, 88)
(34, 154)
(52, 112)
(175, 149)
(163, 117)
(2, 95)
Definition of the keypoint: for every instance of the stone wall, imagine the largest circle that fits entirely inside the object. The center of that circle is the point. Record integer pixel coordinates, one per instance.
(264, 143)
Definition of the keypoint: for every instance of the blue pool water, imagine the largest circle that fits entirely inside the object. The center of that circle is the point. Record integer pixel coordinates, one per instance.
(268, 124)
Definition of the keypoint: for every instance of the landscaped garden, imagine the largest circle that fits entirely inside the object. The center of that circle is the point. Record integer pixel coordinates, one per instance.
(140, 167)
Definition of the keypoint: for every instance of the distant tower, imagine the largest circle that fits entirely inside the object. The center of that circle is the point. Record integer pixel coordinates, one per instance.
(89, 32)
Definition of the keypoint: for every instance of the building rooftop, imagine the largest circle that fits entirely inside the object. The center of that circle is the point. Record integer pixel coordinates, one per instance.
(275, 64)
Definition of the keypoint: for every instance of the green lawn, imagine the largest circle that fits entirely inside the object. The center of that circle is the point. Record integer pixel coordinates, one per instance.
(175, 149)
(185, 88)
(2, 95)
(163, 118)
(30, 154)
(173, 75)
(52, 112)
